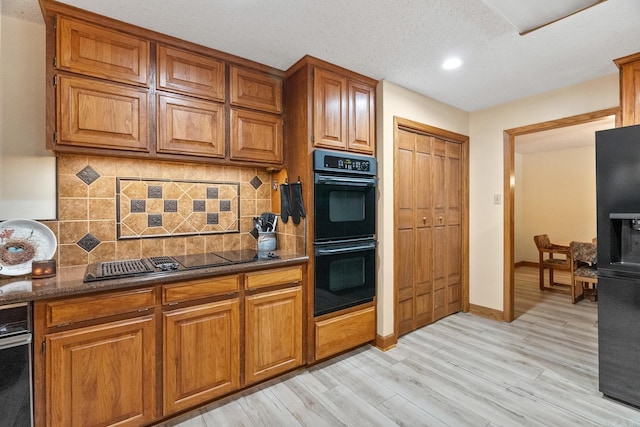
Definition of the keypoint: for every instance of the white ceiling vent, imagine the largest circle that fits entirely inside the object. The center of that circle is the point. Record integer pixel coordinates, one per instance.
(529, 15)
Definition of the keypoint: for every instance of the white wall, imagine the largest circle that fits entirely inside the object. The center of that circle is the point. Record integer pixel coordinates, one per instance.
(27, 169)
(392, 101)
(559, 198)
(487, 171)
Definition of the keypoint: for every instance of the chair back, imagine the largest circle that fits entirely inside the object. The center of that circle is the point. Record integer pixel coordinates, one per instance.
(584, 252)
(542, 241)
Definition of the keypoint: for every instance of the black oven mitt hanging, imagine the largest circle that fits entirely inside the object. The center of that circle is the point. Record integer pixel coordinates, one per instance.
(297, 205)
(285, 202)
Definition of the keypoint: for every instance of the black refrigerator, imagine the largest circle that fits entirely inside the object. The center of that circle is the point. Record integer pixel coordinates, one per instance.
(618, 200)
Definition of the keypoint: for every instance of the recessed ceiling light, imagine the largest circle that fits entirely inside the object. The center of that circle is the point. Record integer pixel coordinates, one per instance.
(451, 63)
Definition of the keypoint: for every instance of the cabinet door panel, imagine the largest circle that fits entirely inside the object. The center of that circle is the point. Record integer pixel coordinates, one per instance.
(405, 242)
(189, 126)
(201, 354)
(99, 52)
(253, 89)
(256, 137)
(102, 375)
(190, 74)
(362, 116)
(404, 181)
(439, 272)
(103, 115)
(630, 93)
(273, 322)
(423, 282)
(330, 110)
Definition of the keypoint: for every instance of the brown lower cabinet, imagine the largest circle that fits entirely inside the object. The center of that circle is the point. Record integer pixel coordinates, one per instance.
(201, 354)
(132, 357)
(273, 333)
(102, 375)
(335, 334)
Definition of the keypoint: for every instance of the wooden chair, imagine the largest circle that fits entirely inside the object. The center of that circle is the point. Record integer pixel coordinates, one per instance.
(584, 273)
(548, 261)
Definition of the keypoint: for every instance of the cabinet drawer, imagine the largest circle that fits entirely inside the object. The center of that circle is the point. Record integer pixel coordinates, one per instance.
(190, 74)
(196, 289)
(100, 52)
(278, 276)
(73, 310)
(256, 90)
(345, 332)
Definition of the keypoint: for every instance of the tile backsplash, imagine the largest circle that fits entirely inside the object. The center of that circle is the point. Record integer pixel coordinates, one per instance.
(150, 208)
(114, 208)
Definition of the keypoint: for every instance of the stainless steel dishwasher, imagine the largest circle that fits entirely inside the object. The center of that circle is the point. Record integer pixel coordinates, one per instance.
(16, 394)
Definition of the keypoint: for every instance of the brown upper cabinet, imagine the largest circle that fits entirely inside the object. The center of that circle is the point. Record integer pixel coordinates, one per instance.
(630, 88)
(97, 114)
(126, 91)
(256, 136)
(256, 90)
(344, 112)
(190, 74)
(190, 126)
(100, 52)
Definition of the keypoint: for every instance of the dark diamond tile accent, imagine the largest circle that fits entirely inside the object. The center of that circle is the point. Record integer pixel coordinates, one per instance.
(138, 206)
(199, 206)
(212, 192)
(171, 206)
(254, 233)
(225, 205)
(256, 182)
(212, 218)
(88, 175)
(154, 192)
(154, 220)
(88, 242)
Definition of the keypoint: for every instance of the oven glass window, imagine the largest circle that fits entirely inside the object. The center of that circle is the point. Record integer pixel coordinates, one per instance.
(344, 212)
(345, 274)
(346, 206)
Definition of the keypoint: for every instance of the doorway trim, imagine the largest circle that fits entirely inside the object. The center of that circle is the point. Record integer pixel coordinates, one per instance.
(509, 137)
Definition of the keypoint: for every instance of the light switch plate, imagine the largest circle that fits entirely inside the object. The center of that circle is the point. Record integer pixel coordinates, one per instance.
(497, 199)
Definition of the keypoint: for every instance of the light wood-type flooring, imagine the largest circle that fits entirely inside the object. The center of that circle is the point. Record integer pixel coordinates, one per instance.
(464, 370)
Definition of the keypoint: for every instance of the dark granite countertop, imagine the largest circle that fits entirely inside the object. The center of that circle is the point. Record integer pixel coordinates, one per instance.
(69, 280)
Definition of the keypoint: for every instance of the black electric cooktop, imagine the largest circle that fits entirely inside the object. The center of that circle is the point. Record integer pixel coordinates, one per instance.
(169, 264)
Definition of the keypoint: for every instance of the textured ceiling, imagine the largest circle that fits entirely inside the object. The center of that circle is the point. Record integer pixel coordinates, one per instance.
(402, 41)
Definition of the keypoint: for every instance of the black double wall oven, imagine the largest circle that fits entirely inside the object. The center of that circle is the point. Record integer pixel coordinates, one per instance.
(344, 230)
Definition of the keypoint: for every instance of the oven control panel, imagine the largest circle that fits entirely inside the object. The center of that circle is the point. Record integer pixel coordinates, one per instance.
(345, 163)
(331, 161)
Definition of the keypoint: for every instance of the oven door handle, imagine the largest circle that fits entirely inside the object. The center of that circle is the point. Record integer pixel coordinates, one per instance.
(344, 250)
(349, 181)
(14, 341)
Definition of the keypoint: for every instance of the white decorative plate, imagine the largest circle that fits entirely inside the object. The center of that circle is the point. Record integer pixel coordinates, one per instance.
(39, 236)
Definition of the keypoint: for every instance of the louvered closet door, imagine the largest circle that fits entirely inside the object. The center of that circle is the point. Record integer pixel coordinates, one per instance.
(405, 233)
(428, 237)
(447, 185)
